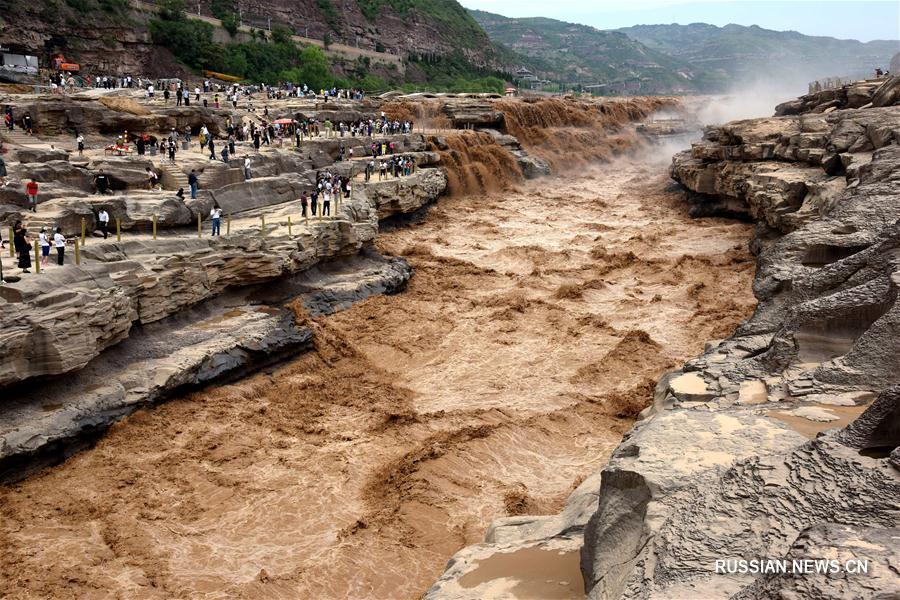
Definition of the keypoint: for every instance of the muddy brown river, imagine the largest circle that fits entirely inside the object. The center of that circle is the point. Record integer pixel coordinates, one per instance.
(532, 332)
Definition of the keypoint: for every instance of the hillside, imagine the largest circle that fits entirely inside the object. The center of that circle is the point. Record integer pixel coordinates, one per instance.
(439, 42)
(736, 52)
(573, 53)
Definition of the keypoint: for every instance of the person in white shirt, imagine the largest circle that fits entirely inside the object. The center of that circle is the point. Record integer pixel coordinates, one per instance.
(216, 215)
(45, 247)
(247, 168)
(103, 219)
(59, 240)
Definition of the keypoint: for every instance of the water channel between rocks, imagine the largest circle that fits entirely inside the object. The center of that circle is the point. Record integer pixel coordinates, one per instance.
(533, 330)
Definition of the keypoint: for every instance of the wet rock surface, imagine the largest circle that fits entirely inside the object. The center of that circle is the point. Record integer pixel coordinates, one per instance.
(820, 346)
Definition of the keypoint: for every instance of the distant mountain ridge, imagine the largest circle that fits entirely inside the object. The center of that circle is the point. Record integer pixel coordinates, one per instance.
(572, 52)
(735, 52)
(679, 58)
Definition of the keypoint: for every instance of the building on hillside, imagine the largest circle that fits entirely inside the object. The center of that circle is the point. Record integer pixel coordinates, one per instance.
(528, 79)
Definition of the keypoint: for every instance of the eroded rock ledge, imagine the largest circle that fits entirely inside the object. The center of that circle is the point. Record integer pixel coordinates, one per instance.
(731, 461)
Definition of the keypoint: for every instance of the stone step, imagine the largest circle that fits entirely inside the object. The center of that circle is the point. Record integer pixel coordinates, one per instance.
(19, 137)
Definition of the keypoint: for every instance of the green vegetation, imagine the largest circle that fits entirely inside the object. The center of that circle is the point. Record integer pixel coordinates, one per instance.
(279, 59)
(330, 14)
(222, 8)
(453, 73)
(230, 24)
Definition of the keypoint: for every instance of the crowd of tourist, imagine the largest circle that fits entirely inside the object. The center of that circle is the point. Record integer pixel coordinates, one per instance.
(243, 133)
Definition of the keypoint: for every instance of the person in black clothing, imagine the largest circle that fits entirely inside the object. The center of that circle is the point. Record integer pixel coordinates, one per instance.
(22, 246)
(304, 203)
(212, 149)
(141, 145)
(193, 183)
(102, 182)
(314, 202)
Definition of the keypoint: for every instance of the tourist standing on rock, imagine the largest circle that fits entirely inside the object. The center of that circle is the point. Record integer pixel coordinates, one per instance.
(231, 146)
(326, 203)
(173, 147)
(103, 219)
(166, 95)
(101, 181)
(212, 149)
(224, 153)
(45, 247)
(31, 190)
(8, 118)
(216, 215)
(193, 182)
(247, 173)
(314, 201)
(28, 124)
(304, 204)
(23, 246)
(79, 139)
(59, 240)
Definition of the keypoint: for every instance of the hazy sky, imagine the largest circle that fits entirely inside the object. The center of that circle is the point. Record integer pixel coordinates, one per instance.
(864, 20)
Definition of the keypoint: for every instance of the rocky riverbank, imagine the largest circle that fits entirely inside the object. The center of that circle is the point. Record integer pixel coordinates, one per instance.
(742, 454)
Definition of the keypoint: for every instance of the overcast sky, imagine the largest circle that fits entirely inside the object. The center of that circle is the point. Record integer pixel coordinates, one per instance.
(864, 20)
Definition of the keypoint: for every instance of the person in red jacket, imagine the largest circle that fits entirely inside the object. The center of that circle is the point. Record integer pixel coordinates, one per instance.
(31, 190)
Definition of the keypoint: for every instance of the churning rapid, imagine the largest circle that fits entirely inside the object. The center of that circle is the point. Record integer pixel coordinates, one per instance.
(538, 318)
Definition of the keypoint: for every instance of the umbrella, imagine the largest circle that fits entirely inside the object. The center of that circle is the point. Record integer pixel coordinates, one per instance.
(284, 122)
